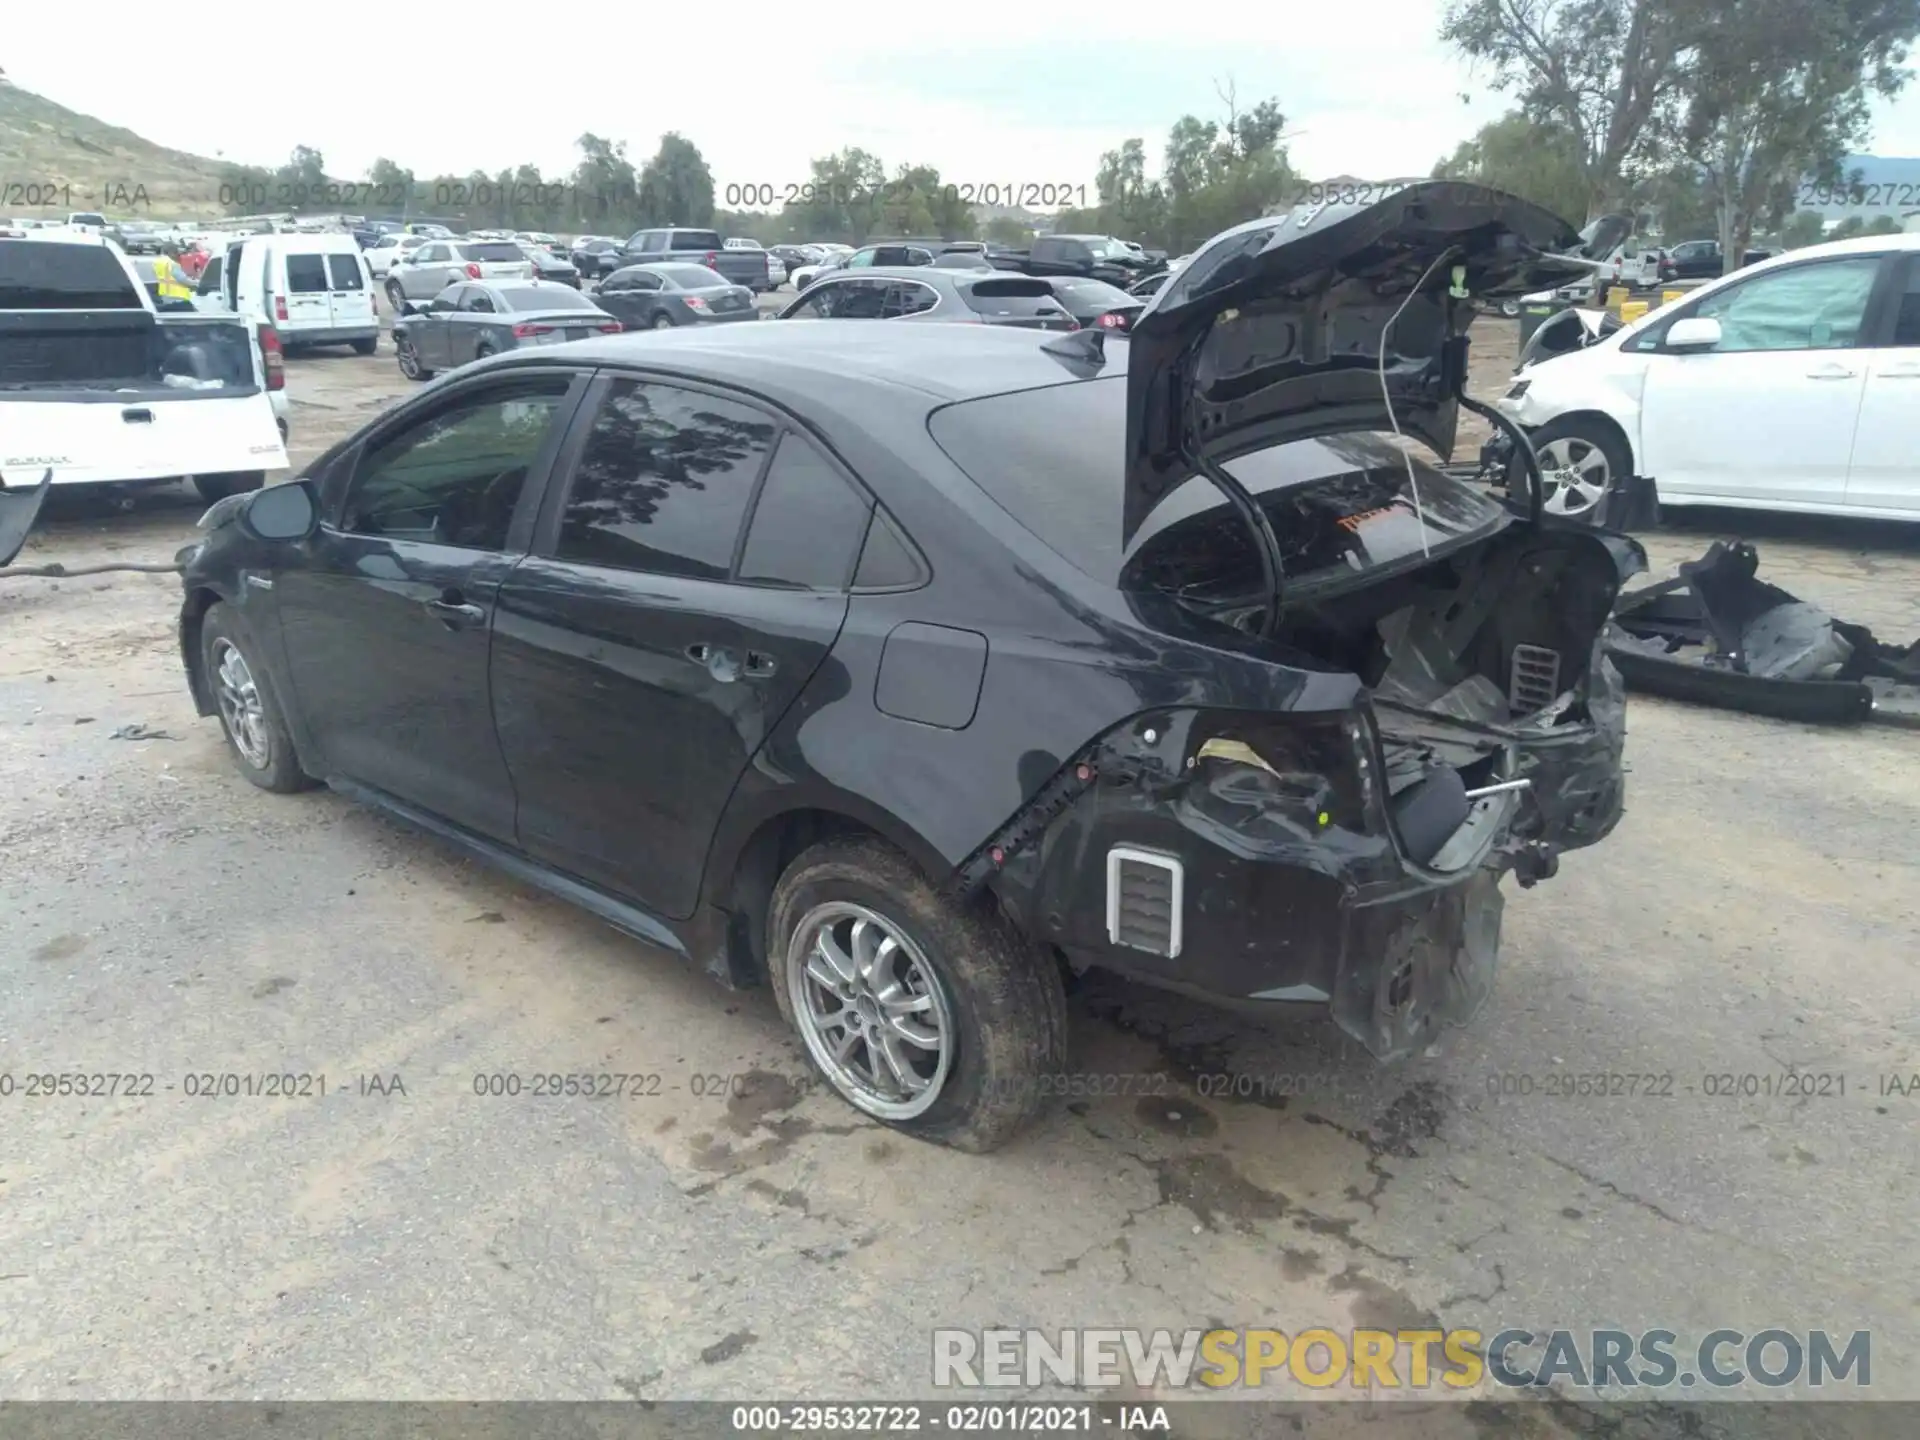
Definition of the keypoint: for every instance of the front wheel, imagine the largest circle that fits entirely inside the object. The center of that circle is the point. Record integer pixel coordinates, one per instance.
(409, 360)
(249, 714)
(663, 321)
(1584, 463)
(217, 487)
(933, 1016)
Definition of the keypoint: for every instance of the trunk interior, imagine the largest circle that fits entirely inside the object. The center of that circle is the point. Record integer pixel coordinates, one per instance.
(124, 350)
(1469, 659)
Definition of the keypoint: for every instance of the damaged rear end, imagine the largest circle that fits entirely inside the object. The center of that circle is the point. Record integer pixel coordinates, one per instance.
(1394, 690)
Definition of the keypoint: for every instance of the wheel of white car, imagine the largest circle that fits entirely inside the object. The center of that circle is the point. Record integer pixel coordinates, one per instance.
(1584, 462)
(932, 1015)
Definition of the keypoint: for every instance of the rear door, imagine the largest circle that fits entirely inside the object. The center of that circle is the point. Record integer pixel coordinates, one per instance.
(352, 291)
(647, 649)
(1885, 473)
(387, 612)
(309, 293)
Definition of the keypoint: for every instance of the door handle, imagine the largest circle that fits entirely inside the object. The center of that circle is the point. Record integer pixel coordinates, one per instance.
(1903, 372)
(722, 664)
(1832, 372)
(456, 614)
(760, 664)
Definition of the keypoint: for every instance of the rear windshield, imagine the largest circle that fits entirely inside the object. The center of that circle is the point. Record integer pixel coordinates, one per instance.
(1094, 292)
(345, 270)
(692, 277)
(307, 273)
(89, 218)
(491, 250)
(544, 297)
(1052, 459)
(36, 275)
(1016, 297)
(694, 240)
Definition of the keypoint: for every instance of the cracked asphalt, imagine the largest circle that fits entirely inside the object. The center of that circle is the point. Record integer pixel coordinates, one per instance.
(729, 1232)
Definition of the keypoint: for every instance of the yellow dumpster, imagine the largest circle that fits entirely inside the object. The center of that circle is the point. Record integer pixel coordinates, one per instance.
(1617, 296)
(1632, 311)
(1667, 297)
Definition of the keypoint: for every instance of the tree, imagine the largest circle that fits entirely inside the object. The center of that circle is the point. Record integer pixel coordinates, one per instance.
(840, 198)
(1804, 228)
(393, 187)
(1781, 92)
(1005, 230)
(1132, 206)
(1538, 160)
(1601, 69)
(605, 192)
(676, 187)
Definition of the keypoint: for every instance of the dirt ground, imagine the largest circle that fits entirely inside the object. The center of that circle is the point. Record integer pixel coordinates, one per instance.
(1756, 912)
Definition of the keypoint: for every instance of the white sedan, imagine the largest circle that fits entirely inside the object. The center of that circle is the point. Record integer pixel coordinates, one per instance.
(389, 248)
(1793, 385)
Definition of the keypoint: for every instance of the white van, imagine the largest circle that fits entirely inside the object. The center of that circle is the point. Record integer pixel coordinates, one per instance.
(312, 289)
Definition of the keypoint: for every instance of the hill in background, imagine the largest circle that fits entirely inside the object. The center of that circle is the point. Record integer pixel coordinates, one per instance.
(88, 164)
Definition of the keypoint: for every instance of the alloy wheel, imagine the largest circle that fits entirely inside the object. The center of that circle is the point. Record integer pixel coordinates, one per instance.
(1577, 475)
(409, 362)
(238, 699)
(871, 1010)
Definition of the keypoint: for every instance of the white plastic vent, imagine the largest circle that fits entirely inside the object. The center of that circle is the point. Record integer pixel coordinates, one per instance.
(1536, 678)
(1145, 891)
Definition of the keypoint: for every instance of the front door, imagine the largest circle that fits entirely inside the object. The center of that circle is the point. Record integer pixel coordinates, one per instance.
(387, 617)
(643, 655)
(1885, 474)
(1768, 415)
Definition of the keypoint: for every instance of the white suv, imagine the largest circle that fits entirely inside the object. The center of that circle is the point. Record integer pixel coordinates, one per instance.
(1793, 384)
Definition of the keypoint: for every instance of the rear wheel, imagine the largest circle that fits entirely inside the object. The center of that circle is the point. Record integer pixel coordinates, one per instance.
(249, 714)
(367, 346)
(484, 349)
(932, 1016)
(217, 487)
(396, 297)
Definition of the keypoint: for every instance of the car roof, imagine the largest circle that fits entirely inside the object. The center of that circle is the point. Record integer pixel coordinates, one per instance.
(827, 358)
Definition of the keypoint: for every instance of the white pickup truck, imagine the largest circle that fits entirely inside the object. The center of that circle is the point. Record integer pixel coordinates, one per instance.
(97, 387)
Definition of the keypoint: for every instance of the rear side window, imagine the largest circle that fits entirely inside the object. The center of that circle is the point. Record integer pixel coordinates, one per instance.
(1906, 323)
(345, 270)
(37, 275)
(695, 240)
(905, 297)
(808, 524)
(663, 482)
(1011, 297)
(492, 250)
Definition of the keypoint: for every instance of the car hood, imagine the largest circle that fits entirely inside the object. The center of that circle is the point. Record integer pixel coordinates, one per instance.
(1274, 330)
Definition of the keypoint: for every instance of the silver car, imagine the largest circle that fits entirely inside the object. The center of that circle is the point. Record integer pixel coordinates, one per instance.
(440, 263)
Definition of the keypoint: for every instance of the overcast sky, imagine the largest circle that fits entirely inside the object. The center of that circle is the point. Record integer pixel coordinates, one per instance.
(1366, 88)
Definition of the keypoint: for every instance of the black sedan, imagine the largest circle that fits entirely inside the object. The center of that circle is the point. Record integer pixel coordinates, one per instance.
(1096, 303)
(478, 318)
(794, 256)
(659, 297)
(595, 256)
(549, 266)
(933, 293)
(904, 670)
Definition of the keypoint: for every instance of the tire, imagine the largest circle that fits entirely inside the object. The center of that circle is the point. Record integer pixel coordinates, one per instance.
(396, 297)
(484, 350)
(409, 360)
(1509, 308)
(250, 717)
(217, 487)
(662, 321)
(1583, 447)
(366, 347)
(992, 997)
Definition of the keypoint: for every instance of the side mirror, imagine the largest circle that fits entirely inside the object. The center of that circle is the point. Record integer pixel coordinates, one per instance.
(1696, 332)
(282, 512)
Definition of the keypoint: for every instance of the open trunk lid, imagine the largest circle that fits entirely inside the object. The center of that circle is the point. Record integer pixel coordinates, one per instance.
(1330, 318)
